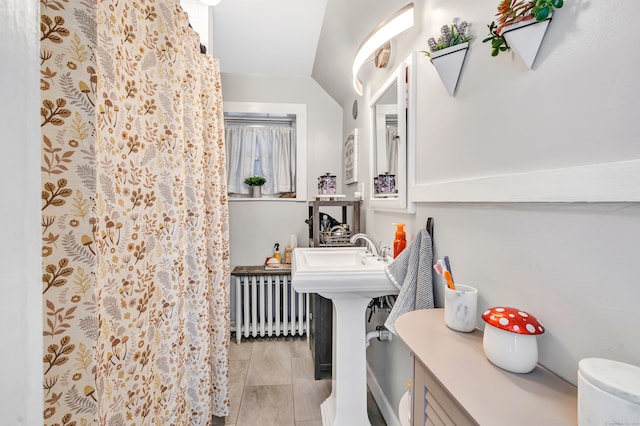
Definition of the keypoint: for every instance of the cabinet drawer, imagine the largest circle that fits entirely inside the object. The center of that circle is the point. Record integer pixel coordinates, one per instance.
(434, 405)
(436, 413)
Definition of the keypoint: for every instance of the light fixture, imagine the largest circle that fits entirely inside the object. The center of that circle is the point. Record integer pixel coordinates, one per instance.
(381, 57)
(210, 2)
(389, 28)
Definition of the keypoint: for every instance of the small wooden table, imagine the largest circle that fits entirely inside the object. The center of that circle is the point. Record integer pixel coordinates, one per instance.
(258, 270)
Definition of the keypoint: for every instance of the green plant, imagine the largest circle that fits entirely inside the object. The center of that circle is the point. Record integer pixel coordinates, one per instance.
(543, 8)
(255, 181)
(449, 36)
(498, 43)
(514, 11)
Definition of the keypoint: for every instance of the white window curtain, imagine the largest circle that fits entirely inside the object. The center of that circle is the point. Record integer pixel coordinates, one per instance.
(392, 149)
(268, 151)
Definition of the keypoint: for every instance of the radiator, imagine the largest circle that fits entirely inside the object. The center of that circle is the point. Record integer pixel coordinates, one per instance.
(267, 305)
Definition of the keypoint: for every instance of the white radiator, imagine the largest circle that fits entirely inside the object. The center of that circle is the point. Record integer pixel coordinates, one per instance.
(267, 305)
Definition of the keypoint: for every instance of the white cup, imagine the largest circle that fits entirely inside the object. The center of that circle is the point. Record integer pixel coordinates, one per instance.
(460, 308)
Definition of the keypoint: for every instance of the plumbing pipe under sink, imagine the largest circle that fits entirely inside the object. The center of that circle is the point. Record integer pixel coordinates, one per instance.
(380, 333)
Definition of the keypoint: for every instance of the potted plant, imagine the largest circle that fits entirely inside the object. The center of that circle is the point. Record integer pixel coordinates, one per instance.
(448, 53)
(255, 183)
(450, 36)
(521, 14)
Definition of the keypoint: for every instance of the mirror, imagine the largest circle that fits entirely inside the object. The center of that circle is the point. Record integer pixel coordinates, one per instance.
(388, 162)
(387, 140)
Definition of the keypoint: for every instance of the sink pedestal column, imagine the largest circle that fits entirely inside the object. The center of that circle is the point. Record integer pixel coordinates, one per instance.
(350, 278)
(347, 404)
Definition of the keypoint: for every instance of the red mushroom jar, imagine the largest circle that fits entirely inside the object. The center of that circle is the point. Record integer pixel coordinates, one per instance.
(509, 339)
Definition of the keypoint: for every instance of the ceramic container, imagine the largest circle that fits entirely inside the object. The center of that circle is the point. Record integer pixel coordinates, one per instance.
(327, 184)
(509, 339)
(461, 308)
(608, 392)
(525, 38)
(256, 191)
(448, 63)
(387, 184)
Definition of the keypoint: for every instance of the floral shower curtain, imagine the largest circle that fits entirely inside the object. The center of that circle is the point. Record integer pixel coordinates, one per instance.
(135, 217)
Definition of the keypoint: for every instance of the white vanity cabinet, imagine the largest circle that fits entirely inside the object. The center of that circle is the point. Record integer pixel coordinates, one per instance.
(453, 383)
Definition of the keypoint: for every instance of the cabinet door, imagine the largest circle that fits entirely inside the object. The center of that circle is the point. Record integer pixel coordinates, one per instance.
(432, 404)
(320, 335)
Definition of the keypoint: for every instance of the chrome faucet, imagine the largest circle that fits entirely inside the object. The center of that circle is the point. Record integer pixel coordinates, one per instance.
(372, 246)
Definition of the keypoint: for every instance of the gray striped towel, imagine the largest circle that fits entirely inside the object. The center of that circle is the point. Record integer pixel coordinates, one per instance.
(411, 273)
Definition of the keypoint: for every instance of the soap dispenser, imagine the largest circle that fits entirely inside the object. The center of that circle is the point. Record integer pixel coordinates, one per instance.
(325, 224)
(276, 251)
(400, 242)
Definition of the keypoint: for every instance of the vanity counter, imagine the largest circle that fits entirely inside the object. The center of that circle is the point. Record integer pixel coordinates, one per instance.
(482, 392)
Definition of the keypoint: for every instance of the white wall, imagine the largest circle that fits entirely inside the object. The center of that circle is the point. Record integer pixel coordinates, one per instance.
(256, 225)
(20, 303)
(572, 265)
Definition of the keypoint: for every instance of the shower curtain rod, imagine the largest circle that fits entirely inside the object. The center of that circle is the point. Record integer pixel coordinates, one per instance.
(248, 121)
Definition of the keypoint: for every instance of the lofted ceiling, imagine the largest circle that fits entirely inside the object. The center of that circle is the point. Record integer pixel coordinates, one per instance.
(310, 38)
(275, 37)
(346, 24)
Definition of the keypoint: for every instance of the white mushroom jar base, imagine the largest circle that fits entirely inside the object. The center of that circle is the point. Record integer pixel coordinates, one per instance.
(513, 352)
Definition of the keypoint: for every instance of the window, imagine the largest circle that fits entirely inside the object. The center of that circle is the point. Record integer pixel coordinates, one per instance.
(261, 145)
(267, 140)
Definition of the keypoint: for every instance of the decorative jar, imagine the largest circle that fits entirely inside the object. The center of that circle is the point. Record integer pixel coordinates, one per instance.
(509, 339)
(327, 184)
(387, 183)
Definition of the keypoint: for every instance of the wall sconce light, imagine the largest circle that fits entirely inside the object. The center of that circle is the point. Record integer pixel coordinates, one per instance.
(389, 28)
(381, 57)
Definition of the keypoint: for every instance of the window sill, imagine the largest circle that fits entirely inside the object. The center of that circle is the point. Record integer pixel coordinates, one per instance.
(262, 199)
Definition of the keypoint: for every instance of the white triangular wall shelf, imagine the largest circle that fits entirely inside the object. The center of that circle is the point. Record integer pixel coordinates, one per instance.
(525, 38)
(448, 63)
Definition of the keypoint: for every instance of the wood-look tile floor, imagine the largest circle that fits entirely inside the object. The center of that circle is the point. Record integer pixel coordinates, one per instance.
(271, 383)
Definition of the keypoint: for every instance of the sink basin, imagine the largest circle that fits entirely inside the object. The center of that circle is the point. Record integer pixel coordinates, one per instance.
(339, 271)
(350, 278)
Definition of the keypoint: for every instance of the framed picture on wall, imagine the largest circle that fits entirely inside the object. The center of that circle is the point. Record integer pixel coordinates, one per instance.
(351, 158)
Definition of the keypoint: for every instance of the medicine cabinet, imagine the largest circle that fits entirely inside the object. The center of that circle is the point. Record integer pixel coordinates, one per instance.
(392, 114)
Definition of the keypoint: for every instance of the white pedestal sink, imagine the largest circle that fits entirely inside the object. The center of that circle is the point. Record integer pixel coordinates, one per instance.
(350, 278)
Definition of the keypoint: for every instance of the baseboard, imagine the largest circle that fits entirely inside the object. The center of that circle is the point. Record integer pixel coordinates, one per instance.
(387, 410)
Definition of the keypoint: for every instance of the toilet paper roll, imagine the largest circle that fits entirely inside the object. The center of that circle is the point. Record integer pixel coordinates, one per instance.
(293, 241)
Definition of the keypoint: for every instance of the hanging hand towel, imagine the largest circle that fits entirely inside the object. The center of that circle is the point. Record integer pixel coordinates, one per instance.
(411, 273)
